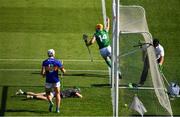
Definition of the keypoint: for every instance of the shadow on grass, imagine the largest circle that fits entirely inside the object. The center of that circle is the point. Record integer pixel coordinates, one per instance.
(81, 74)
(107, 85)
(25, 110)
(100, 85)
(88, 75)
(3, 100)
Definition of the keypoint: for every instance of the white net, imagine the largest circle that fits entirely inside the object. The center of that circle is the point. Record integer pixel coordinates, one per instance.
(133, 20)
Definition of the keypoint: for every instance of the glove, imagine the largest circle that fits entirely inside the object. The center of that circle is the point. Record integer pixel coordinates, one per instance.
(160, 68)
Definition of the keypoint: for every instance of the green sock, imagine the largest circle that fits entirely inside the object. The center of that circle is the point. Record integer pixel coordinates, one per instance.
(108, 63)
(51, 103)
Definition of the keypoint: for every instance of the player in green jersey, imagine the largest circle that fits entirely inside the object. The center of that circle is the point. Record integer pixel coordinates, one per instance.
(102, 37)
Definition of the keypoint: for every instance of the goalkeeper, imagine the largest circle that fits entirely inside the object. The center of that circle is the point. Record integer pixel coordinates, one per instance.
(102, 37)
(159, 51)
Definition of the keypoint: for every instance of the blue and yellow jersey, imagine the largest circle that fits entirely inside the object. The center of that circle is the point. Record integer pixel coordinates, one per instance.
(51, 66)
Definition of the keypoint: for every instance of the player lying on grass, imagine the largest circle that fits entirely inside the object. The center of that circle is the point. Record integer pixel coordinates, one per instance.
(68, 93)
(102, 37)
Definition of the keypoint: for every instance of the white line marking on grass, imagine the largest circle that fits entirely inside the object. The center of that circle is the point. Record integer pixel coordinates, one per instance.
(70, 70)
(21, 59)
(69, 60)
(150, 88)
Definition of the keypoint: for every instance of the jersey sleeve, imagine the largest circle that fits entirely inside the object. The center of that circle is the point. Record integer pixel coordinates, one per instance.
(43, 63)
(60, 65)
(94, 35)
(162, 51)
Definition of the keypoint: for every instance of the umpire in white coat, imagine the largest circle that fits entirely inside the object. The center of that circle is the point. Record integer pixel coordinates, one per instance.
(159, 51)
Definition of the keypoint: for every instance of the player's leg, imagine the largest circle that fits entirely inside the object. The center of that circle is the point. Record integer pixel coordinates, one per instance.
(48, 88)
(31, 93)
(49, 98)
(108, 61)
(106, 54)
(107, 58)
(57, 95)
(20, 92)
(40, 97)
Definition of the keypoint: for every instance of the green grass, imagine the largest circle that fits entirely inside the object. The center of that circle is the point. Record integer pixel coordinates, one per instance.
(28, 28)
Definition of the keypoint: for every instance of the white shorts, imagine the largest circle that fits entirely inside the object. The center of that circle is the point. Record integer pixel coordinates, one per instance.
(106, 52)
(49, 87)
(52, 85)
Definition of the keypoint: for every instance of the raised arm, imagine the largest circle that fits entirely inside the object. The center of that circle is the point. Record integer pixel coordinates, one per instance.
(107, 24)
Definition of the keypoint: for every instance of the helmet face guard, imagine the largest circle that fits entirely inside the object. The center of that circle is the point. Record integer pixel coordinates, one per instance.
(155, 42)
(99, 27)
(51, 53)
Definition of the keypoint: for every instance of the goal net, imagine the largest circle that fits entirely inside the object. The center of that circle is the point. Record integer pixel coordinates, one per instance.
(133, 21)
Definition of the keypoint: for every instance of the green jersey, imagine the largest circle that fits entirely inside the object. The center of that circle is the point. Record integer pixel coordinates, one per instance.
(102, 38)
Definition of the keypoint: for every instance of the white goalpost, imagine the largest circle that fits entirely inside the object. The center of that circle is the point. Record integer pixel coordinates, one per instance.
(113, 72)
(115, 57)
